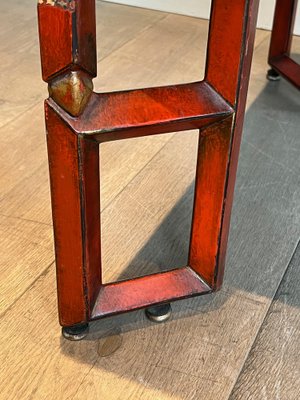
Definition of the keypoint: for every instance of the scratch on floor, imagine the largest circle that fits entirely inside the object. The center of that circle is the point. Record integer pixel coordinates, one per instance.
(258, 150)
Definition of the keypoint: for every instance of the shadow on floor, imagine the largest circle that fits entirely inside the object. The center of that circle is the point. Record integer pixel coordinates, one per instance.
(265, 218)
(265, 230)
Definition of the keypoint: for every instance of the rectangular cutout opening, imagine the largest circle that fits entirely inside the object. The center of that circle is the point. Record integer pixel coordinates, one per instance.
(134, 61)
(147, 193)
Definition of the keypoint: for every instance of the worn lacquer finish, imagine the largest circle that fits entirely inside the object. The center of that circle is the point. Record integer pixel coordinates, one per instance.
(78, 120)
(154, 289)
(149, 111)
(281, 41)
(67, 32)
(213, 158)
(66, 210)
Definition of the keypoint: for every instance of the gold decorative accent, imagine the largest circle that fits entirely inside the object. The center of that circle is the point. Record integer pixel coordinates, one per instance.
(72, 91)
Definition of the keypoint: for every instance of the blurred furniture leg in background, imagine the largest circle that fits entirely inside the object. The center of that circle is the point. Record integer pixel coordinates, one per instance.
(281, 41)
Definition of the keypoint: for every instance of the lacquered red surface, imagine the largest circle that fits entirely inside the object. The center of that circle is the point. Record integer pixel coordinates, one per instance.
(55, 32)
(89, 175)
(288, 68)
(213, 159)
(67, 222)
(124, 296)
(67, 37)
(281, 41)
(119, 115)
(237, 130)
(282, 31)
(86, 36)
(216, 107)
(225, 44)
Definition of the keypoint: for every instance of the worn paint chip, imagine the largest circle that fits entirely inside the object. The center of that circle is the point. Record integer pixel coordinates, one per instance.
(66, 4)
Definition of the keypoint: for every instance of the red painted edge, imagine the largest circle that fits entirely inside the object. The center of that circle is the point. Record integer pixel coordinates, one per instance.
(118, 115)
(118, 297)
(288, 68)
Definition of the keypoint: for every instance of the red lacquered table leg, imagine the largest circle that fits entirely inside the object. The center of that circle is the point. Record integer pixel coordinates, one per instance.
(68, 53)
(78, 120)
(229, 56)
(281, 41)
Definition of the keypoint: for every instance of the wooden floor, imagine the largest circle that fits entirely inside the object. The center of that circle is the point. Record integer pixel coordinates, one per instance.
(242, 343)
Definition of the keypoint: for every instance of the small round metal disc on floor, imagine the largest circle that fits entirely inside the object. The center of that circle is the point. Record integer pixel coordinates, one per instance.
(272, 75)
(76, 332)
(159, 313)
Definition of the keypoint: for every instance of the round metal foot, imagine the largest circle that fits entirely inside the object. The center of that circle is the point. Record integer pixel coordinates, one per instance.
(159, 313)
(272, 75)
(75, 332)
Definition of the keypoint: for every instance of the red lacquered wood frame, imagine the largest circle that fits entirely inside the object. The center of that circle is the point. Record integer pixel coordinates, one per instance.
(281, 41)
(78, 120)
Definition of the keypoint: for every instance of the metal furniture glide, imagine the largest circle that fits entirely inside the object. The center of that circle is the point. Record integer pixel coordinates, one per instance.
(281, 40)
(78, 120)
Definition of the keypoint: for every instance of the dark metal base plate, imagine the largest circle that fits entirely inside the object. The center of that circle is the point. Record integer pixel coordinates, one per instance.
(272, 75)
(76, 332)
(159, 313)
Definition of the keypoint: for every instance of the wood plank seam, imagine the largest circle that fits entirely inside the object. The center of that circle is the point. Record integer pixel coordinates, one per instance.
(255, 338)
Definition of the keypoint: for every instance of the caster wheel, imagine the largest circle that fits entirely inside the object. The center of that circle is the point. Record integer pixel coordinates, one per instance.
(272, 75)
(159, 313)
(75, 332)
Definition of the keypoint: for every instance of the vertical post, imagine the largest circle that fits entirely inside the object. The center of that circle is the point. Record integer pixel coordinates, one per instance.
(229, 55)
(67, 31)
(75, 194)
(88, 153)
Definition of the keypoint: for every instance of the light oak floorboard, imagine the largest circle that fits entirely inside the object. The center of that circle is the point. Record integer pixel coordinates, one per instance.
(177, 358)
(149, 222)
(21, 85)
(26, 250)
(202, 349)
